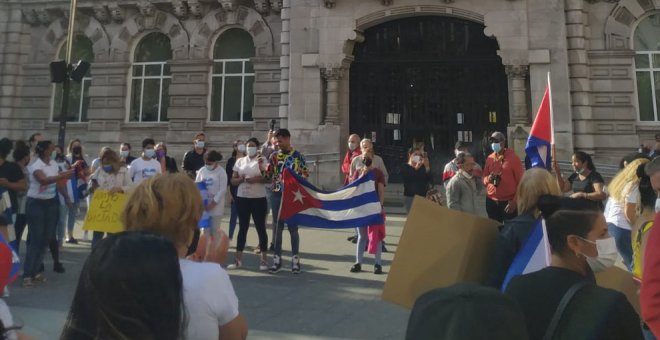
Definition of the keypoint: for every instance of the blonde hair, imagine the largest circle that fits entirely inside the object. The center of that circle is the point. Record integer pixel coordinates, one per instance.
(535, 183)
(112, 157)
(167, 204)
(623, 178)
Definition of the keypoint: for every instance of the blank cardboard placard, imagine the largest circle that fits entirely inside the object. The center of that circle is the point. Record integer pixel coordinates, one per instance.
(438, 248)
(105, 212)
(622, 281)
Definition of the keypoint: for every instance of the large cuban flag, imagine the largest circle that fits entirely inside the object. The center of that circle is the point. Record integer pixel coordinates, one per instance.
(541, 137)
(355, 205)
(533, 256)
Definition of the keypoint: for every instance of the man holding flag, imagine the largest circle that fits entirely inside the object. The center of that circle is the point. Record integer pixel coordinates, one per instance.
(285, 158)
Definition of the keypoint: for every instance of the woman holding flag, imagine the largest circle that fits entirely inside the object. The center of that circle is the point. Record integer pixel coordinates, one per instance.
(515, 233)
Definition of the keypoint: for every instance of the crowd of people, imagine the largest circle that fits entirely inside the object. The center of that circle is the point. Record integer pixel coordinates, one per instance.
(588, 230)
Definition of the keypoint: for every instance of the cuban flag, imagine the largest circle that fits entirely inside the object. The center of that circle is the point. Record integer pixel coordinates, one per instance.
(533, 256)
(205, 221)
(10, 264)
(355, 205)
(541, 137)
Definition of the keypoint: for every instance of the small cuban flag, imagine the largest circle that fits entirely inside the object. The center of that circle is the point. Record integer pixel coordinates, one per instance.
(355, 205)
(533, 256)
(205, 221)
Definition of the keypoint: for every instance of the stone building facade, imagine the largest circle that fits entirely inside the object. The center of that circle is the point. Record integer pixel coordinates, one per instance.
(313, 66)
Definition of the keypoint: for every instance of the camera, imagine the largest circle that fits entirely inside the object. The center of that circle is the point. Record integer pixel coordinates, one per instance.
(495, 179)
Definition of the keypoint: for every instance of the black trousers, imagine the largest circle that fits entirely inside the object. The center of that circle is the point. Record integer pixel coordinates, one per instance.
(495, 210)
(258, 209)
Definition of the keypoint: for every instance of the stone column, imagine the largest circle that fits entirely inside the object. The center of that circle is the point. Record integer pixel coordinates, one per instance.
(519, 113)
(188, 107)
(332, 77)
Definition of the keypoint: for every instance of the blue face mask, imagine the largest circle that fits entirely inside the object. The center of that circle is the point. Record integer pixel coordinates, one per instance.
(107, 168)
(497, 147)
(150, 153)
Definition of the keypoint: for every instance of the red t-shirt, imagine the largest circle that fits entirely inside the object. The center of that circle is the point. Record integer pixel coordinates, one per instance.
(510, 168)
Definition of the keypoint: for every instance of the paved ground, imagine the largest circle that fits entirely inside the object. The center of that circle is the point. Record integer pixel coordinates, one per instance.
(326, 301)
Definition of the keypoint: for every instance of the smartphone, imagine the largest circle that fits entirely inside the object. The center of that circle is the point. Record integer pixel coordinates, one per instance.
(272, 125)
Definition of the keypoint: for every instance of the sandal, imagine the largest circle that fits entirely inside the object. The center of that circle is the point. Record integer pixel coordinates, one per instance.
(27, 283)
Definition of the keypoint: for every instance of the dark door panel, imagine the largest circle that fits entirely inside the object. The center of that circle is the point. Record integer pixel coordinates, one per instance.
(413, 77)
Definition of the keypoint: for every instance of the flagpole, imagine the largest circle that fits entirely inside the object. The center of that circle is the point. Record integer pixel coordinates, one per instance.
(553, 149)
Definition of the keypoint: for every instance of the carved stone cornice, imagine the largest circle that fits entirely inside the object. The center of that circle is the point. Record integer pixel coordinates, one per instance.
(228, 5)
(333, 72)
(195, 8)
(147, 9)
(180, 9)
(276, 5)
(117, 13)
(262, 6)
(102, 13)
(517, 71)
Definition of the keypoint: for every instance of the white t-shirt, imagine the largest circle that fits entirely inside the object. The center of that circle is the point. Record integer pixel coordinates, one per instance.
(615, 211)
(209, 299)
(250, 168)
(36, 190)
(7, 320)
(141, 169)
(216, 185)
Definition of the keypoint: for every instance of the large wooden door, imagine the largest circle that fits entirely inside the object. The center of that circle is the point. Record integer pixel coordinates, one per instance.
(430, 80)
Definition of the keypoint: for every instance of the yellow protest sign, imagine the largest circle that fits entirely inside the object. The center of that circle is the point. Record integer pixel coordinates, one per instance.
(104, 212)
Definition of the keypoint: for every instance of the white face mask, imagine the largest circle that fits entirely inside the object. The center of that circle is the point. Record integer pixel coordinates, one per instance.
(416, 159)
(657, 204)
(200, 144)
(352, 146)
(123, 154)
(607, 254)
(150, 153)
(241, 148)
(210, 167)
(251, 151)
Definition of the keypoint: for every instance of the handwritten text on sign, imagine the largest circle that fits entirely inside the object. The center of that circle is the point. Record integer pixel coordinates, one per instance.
(105, 212)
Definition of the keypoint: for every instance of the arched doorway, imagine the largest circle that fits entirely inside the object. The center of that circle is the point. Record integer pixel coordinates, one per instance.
(432, 80)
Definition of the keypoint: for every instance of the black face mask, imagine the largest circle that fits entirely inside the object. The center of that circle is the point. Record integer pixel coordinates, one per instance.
(368, 161)
(77, 150)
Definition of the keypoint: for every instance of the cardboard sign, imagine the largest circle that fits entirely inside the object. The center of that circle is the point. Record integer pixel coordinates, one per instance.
(105, 212)
(438, 248)
(622, 281)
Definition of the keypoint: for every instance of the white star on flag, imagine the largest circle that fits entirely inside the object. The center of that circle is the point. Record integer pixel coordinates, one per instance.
(298, 196)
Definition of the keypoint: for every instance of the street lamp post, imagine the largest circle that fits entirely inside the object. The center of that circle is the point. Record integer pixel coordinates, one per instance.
(66, 84)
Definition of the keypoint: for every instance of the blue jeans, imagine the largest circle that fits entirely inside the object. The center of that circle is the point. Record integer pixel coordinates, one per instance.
(62, 222)
(407, 202)
(623, 240)
(232, 218)
(275, 201)
(363, 238)
(42, 216)
(71, 222)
